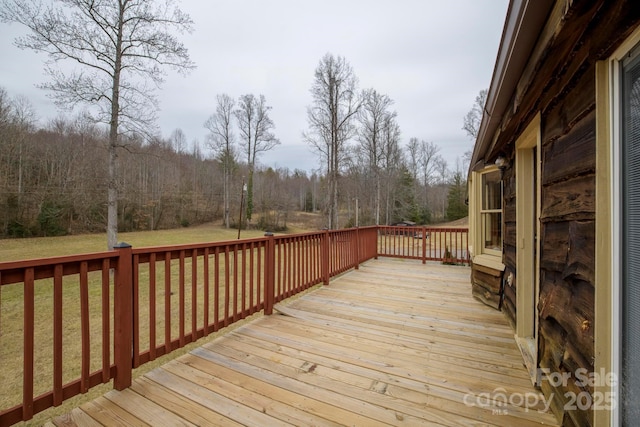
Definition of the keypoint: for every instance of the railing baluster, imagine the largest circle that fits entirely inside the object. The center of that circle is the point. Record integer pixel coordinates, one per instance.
(227, 276)
(181, 303)
(57, 335)
(152, 306)
(106, 322)
(84, 316)
(194, 294)
(235, 283)
(260, 254)
(205, 275)
(288, 257)
(29, 325)
(244, 280)
(216, 289)
(136, 311)
(278, 269)
(167, 302)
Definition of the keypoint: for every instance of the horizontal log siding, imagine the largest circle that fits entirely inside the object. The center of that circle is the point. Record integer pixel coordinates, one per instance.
(559, 82)
(566, 306)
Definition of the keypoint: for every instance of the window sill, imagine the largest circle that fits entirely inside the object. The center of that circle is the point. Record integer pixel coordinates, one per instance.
(490, 261)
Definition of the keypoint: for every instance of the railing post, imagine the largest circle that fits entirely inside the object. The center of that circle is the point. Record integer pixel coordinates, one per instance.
(270, 274)
(123, 317)
(325, 256)
(424, 245)
(356, 249)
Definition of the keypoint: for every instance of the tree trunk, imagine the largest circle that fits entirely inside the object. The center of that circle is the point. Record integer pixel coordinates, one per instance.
(112, 190)
(377, 178)
(226, 193)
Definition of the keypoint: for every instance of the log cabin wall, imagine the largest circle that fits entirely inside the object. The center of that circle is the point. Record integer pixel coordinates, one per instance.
(559, 82)
(509, 243)
(566, 301)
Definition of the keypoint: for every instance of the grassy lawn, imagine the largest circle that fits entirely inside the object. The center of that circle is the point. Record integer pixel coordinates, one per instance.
(38, 247)
(11, 307)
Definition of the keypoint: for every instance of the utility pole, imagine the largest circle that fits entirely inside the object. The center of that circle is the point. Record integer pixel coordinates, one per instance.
(244, 188)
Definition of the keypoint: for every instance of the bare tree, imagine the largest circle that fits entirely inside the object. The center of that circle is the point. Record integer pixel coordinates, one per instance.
(255, 127)
(392, 157)
(424, 165)
(17, 119)
(117, 47)
(374, 136)
(429, 161)
(24, 118)
(413, 150)
(178, 140)
(473, 119)
(221, 140)
(330, 117)
(5, 108)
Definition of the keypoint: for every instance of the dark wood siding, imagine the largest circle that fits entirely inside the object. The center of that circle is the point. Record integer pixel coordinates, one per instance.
(560, 84)
(567, 252)
(509, 244)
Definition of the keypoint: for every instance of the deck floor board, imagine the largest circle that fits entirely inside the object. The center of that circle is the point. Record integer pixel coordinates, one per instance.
(395, 342)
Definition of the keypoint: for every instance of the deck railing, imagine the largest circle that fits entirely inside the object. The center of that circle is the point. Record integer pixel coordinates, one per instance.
(449, 245)
(78, 321)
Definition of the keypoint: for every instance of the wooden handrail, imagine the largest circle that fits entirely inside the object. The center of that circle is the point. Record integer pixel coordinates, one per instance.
(188, 290)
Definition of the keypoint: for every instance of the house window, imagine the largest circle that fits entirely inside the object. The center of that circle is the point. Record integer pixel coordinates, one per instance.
(491, 213)
(630, 237)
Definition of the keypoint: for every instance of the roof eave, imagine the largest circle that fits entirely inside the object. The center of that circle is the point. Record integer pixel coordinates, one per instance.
(523, 24)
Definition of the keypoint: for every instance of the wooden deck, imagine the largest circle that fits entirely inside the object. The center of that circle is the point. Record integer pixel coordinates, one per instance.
(393, 343)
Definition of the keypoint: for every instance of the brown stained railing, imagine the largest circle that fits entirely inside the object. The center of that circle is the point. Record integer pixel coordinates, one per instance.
(58, 280)
(425, 243)
(135, 305)
(206, 287)
(298, 261)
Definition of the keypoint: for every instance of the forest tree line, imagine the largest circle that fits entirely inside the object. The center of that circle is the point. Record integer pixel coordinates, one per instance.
(54, 177)
(53, 181)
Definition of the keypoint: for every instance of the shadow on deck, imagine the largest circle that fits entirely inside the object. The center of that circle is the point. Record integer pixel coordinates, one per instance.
(393, 343)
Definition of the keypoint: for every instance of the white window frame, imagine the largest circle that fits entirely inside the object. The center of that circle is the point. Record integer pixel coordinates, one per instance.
(608, 224)
(483, 212)
(481, 255)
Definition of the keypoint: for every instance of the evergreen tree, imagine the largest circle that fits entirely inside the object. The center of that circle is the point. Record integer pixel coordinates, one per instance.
(456, 206)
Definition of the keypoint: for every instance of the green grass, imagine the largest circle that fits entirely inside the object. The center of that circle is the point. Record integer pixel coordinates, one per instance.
(38, 247)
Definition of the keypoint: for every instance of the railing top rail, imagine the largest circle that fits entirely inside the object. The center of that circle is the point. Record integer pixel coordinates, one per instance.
(430, 227)
(192, 246)
(307, 234)
(12, 271)
(62, 259)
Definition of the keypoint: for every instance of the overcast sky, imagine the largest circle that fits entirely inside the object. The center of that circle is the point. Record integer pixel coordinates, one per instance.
(430, 57)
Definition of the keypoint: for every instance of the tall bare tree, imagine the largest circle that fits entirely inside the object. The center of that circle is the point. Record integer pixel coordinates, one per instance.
(221, 140)
(392, 161)
(255, 128)
(376, 122)
(331, 121)
(424, 165)
(117, 47)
